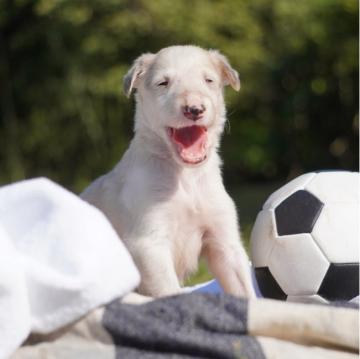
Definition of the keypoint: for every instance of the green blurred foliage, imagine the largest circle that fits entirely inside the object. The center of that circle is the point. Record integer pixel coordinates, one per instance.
(62, 113)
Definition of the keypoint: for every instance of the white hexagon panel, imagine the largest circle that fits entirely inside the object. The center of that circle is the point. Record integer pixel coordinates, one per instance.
(335, 187)
(336, 231)
(297, 264)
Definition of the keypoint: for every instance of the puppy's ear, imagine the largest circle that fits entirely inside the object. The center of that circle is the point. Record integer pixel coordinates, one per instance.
(138, 69)
(228, 74)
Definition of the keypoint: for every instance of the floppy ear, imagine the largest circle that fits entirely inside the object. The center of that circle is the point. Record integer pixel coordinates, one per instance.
(229, 75)
(131, 79)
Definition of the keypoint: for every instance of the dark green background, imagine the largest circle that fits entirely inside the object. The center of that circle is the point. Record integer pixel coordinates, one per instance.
(63, 115)
(61, 62)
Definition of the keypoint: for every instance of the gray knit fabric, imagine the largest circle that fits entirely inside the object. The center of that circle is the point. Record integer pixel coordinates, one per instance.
(196, 325)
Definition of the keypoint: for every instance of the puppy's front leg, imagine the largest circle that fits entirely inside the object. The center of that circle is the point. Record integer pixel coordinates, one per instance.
(230, 267)
(158, 276)
(226, 255)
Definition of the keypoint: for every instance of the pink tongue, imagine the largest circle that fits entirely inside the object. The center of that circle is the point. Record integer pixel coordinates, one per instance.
(189, 136)
(191, 139)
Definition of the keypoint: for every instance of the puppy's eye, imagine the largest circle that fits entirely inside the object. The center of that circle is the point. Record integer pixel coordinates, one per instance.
(163, 83)
(209, 81)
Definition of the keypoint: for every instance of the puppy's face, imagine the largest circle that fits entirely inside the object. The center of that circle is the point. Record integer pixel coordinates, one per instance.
(180, 98)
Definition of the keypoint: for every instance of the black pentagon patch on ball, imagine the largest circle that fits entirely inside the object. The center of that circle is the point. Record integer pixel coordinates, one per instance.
(297, 213)
(268, 286)
(341, 282)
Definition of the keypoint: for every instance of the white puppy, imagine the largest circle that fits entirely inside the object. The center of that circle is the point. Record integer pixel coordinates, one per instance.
(166, 198)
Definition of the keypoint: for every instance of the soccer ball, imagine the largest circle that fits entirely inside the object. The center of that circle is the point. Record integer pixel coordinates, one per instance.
(305, 241)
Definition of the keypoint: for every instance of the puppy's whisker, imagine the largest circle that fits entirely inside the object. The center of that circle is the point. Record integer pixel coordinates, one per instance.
(227, 126)
(227, 123)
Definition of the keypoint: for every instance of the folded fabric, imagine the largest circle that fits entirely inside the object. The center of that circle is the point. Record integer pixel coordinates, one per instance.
(204, 325)
(60, 258)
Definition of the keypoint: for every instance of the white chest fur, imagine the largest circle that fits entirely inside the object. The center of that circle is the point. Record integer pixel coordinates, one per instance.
(166, 215)
(170, 209)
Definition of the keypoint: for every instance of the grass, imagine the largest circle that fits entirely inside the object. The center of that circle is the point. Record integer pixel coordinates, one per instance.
(249, 199)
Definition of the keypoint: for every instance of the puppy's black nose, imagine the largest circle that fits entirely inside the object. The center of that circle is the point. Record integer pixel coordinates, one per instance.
(193, 112)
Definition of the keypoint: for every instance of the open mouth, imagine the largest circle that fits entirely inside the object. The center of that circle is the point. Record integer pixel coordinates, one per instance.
(190, 143)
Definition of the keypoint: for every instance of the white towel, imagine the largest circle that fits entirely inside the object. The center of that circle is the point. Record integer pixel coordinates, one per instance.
(59, 259)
